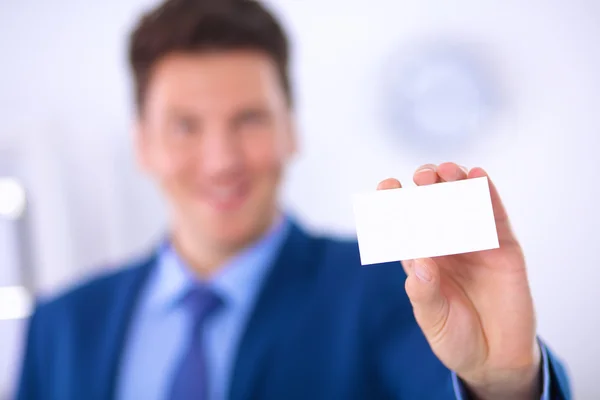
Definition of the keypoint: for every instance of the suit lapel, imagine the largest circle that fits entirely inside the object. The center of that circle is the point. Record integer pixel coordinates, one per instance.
(117, 324)
(281, 298)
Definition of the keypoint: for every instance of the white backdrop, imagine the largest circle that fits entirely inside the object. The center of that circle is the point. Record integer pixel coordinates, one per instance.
(65, 108)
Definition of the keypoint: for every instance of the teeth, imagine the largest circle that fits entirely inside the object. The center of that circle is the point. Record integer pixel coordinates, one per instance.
(224, 194)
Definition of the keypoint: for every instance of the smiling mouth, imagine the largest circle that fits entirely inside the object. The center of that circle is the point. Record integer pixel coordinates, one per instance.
(227, 198)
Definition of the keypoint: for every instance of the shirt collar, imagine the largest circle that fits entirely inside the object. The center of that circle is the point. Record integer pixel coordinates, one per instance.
(237, 282)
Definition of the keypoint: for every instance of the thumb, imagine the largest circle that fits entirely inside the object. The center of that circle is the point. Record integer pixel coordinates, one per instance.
(429, 304)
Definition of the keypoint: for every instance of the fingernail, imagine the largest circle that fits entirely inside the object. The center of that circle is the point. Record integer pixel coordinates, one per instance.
(464, 169)
(425, 169)
(421, 271)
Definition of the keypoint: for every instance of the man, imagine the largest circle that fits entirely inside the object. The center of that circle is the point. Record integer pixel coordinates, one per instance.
(239, 302)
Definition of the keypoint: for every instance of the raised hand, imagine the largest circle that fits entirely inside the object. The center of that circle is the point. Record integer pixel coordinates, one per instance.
(476, 309)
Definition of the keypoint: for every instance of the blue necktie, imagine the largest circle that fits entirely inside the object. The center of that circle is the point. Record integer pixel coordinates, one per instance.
(191, 380)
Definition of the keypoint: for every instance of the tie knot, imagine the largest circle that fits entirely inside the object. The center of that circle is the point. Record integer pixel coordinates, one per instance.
(202, 301)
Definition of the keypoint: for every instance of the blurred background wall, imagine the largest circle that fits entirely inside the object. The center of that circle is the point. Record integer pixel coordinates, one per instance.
(382, 87)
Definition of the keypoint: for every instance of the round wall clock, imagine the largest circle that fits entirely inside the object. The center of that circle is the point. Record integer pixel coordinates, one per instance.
(439, 95)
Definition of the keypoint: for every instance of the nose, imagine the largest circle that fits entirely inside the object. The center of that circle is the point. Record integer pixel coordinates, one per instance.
(220, 154)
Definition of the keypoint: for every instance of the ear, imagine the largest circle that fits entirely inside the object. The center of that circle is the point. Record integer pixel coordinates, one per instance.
(292, 144)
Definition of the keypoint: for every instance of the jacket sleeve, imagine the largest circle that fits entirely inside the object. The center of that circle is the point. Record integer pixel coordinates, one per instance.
(559, 386)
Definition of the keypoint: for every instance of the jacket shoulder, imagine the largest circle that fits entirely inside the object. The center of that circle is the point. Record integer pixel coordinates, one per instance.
(97, 292)
(71, 325)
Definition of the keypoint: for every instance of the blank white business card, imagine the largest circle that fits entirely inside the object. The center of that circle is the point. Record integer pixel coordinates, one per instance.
(425, 221)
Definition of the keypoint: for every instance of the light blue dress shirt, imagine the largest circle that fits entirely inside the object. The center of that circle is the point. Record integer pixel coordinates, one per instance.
(158, 332)
(161, 323)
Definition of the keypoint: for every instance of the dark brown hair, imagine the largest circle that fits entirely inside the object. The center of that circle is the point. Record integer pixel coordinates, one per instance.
(205, 25)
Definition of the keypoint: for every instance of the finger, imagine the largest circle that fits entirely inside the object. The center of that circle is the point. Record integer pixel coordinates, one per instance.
(429, 304)
(450, 172)
(499, 210)
(407, 266)
(500, 214)
(389, 183)
(426, 175)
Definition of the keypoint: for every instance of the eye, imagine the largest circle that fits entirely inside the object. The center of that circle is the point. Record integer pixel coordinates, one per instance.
(184, 126)
(252, 118)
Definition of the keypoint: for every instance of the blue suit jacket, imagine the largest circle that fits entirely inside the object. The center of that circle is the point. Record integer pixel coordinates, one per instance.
(324, 327)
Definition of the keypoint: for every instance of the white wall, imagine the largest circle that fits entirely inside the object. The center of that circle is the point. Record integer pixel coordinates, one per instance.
(65, 107)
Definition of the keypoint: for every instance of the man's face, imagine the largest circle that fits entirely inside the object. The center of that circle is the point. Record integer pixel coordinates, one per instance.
(215, 133)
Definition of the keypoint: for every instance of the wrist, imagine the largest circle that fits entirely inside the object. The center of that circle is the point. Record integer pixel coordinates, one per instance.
(526, 387)
(522, 383)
